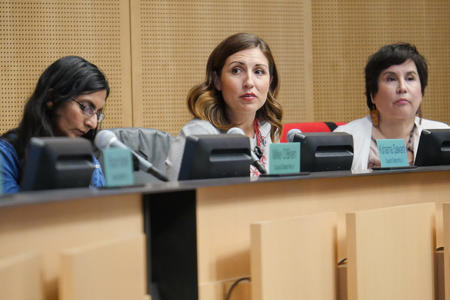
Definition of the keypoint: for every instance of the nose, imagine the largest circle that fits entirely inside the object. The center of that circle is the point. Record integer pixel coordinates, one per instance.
(401, 89)
(91, 122)
(248, 81)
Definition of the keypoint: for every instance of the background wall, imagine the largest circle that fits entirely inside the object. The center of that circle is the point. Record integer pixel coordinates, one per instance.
(33, 34)
(153, 51)
(346, 32)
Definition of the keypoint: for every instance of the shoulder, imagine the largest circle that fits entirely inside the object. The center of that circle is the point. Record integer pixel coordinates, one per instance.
(355, 125)
(7, 149)
(430, 124)
(10, 167)
(197, 126)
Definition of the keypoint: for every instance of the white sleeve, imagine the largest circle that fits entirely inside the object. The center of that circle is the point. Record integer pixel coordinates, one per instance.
(173, 161)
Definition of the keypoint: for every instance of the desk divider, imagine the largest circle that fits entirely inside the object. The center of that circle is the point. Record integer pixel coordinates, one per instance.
(294, 258)
(20, 277)
(390, 253)
(446, 259)
(113, 270)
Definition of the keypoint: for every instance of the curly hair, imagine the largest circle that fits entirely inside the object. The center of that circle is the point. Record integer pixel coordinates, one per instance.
(206, 102)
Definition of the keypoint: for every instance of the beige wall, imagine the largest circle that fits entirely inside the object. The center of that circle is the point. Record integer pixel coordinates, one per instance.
(346, 32)
(153, 51)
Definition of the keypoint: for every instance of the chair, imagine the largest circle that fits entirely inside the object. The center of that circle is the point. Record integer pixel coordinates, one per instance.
(309, 127)
(152, 144)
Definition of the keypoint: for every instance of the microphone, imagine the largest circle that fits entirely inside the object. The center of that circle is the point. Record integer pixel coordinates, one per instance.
(255, 161)
(294, 133)
(106, 138)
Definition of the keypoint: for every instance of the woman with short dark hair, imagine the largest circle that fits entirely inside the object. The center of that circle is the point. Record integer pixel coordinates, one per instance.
(396, 78)
(67, 101)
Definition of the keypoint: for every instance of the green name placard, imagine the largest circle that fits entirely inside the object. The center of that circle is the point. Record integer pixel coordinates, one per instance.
(118, 165)
(284, 158)
(392, 153)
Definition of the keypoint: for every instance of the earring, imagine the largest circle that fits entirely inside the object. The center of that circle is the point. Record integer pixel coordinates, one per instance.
(375, 117)
(419, 113)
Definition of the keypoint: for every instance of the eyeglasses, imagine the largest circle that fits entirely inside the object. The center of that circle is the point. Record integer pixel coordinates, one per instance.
(89, 111)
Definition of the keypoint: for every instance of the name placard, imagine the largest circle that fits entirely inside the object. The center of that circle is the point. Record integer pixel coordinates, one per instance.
(392, 153)
(118, 165)
(284, 158)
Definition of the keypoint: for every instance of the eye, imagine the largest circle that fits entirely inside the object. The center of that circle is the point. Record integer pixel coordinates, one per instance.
(390, 78)
(82, 106)
(236, 70)
(411, 78)
(260, 72)
(87, 108)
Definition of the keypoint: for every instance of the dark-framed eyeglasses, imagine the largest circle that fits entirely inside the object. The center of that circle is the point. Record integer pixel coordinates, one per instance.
(89, 111)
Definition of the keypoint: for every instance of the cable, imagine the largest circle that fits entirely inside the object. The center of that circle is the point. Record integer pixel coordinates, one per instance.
(227, 297)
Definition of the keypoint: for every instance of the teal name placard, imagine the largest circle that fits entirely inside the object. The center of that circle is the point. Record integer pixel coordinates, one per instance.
(284, 158)
(392, 153)
(118, 165)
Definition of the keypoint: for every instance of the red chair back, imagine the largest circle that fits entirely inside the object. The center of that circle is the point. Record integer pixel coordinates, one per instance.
(309, 127)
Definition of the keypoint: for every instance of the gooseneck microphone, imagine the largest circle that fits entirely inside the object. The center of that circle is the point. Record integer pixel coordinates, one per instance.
(255, 161)
(106, 138)
(294, 133)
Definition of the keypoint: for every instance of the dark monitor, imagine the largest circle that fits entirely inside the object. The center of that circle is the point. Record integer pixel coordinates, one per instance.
(215, 156)
(434, 148)
(325, 151)
(57, 162)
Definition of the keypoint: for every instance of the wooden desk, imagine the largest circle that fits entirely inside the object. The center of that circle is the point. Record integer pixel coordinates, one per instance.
(199, 232)
(49, 226)
(219, 218)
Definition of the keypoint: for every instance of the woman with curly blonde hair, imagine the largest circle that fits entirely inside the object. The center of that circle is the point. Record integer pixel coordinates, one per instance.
(239, 91)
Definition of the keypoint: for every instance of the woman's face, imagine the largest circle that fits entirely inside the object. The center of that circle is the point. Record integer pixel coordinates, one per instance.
(244, 82)
(399, 92)
(71, 121)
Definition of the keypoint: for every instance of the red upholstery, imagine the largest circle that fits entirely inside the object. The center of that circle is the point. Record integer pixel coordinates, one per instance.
(308, 127)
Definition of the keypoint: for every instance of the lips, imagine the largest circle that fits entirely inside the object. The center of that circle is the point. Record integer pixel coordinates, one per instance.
(248, 96)
(79, 132)
(401, 101)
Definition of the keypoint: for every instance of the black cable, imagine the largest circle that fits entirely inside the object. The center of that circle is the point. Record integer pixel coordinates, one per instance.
(227, 297)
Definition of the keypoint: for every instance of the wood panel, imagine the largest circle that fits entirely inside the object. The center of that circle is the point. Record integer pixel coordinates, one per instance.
(113, 270)
(294, 258)
(35, 33)
(446, 255)
(346, 32)
(391, 253)
(171, 42)
(20, 277)
(224, 213)
(49, 228)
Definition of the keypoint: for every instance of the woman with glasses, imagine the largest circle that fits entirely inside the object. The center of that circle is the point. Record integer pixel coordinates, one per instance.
(68, 101)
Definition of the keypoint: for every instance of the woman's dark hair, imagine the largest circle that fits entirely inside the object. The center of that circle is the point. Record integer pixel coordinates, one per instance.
(205, 101)
(66, 78)
(389, 55)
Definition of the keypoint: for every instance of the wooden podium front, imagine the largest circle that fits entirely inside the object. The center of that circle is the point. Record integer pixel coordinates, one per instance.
(198, 233)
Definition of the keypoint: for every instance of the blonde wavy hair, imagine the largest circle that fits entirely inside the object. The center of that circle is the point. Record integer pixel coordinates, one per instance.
(206, 102)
